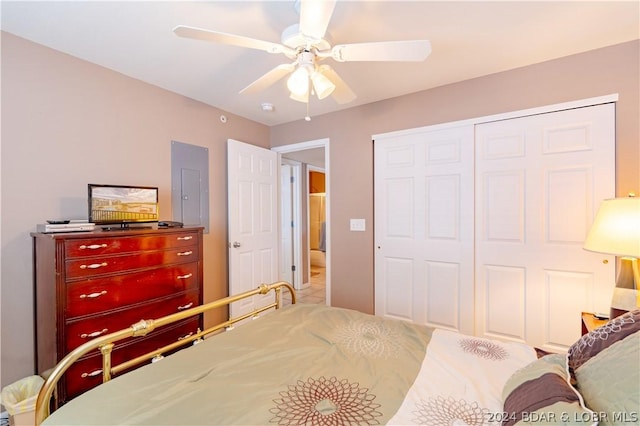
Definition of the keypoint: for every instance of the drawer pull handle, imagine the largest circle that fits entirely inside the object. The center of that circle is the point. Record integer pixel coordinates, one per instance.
(92, 246)
(186, 336)
(93, 295)
(94, 334)
(185, 253)
(94, 265)
(187, 238)
(183, 307)
(184, 277)
(92, 374)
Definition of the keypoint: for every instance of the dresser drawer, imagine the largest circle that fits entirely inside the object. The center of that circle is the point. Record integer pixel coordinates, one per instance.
(116, 245)
(90, 266)
(92, 296)
(87, 373)
(83, 330)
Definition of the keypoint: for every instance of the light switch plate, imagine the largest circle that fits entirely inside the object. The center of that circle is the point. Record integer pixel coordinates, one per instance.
(357, 225)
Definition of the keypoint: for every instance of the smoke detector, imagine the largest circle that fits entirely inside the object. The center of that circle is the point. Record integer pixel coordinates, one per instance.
(267, 107)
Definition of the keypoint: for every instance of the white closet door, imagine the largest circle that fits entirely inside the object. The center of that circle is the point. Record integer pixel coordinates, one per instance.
(424, 227)
(539, 182)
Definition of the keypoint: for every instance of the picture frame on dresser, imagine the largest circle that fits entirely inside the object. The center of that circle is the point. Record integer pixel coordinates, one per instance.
(87, 284)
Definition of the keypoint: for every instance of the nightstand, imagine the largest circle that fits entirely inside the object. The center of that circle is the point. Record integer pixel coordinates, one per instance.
(590, 322)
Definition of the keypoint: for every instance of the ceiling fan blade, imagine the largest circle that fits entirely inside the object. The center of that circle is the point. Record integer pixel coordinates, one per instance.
(269, 78)
(342, 94)
(230, 39)
(315, 16)
(402, 51)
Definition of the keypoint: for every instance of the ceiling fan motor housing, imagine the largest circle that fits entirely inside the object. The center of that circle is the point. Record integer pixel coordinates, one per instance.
(293, 38)
(307, 59)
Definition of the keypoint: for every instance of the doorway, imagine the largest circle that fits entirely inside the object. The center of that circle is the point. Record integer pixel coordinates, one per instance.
(311, 279)
(317, 214)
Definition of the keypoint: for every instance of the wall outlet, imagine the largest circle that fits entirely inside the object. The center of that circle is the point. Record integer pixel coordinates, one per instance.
(357, 225)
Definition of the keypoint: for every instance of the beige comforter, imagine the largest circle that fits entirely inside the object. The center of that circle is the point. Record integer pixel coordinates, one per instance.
(303, 364)
(315, 365)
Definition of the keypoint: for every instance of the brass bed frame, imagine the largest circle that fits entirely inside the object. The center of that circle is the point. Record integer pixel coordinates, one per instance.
(106, 343)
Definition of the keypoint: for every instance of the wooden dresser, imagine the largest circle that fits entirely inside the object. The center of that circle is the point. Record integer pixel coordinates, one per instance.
(92, 283)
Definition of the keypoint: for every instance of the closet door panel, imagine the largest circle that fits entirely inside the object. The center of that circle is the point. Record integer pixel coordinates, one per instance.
(442, 293)
(399, 193)
(424, 214)
(398, 299)
(542, 180)
(443, 207)
(504, 301)
(503, 195)
(567, 192)
(564, 291)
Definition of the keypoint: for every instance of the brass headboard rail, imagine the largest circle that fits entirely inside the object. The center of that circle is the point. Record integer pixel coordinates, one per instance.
(106, 343)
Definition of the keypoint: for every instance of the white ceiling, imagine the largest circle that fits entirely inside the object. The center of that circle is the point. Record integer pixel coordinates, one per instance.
(469, 39)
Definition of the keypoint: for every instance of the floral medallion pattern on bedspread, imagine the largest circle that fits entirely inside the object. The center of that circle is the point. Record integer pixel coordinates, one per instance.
(311, 364)
(326, 402)
(461, 381)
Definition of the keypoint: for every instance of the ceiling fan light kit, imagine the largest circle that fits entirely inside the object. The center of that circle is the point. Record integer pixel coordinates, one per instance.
(307, 69)
(322, 85)
(307, 43)
(298, 82)
(304, 98)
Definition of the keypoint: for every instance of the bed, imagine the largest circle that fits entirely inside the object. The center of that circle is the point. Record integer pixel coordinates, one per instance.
(313, 364)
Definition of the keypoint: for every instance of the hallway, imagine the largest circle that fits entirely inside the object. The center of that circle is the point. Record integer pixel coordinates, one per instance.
(316, 293)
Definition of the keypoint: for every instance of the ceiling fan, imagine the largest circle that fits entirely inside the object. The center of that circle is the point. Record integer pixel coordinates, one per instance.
(306, 44)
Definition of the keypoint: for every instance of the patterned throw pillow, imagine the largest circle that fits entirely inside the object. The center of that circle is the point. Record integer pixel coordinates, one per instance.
(594, 342)
(540, 393)
(605, 365)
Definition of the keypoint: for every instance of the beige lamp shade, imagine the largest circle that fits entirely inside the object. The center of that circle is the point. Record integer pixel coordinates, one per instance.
(616, 228)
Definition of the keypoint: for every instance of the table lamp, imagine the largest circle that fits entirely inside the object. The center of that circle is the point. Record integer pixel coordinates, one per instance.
(616, 230)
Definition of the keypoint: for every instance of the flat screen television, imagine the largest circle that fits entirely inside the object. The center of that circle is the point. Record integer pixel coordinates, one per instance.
(122, 204)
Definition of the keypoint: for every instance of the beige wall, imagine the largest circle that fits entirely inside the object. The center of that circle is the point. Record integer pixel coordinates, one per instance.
(596, 73)
(66, 123)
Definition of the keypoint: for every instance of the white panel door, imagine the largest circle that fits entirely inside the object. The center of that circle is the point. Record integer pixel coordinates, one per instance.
(539, 182)
(253, 221)
(424, 227)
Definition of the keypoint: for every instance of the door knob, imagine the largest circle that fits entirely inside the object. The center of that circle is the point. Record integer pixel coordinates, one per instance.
(236, 244)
